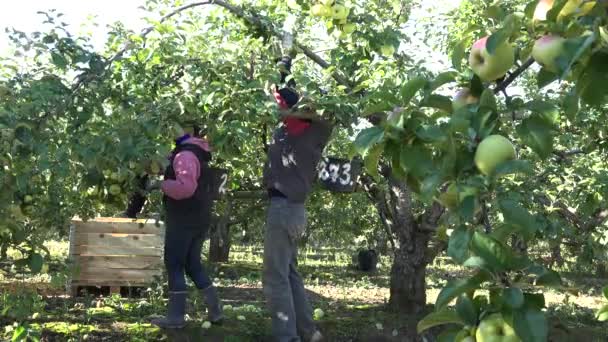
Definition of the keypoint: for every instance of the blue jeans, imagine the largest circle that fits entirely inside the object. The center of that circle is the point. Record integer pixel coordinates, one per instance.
(283, 287)
(183, 256)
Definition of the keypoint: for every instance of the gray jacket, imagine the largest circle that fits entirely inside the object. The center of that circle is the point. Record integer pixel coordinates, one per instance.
(292, 160)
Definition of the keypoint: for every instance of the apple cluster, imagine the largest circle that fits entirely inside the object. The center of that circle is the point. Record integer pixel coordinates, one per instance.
(548, 48)
(332, 10)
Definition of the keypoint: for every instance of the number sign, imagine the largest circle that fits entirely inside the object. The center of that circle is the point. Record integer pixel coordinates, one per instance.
(339, 175)
(217, 182)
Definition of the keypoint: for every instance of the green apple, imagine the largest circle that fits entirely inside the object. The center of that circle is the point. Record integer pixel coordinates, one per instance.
(547, 49)
(206, 325)
(464, 335)
(494, 328)
(387, 50)
(577, 8)
(339, 12)
(493, 151)
(540, 13)
(349, 28)
(293, 4)
(317, 10)
(327, 2)
(318, 314)
(115, 176)
(28, 199)
(490, 67)
(115, 190)
(463, 98)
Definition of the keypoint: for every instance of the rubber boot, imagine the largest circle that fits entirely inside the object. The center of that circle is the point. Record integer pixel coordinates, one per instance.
(214, 306)
(175, 312)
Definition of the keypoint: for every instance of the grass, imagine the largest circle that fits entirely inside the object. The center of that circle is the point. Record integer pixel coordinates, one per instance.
(353, 303)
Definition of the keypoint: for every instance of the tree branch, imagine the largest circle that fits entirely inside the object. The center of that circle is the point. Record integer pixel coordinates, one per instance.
(255, 21)
(506, 82)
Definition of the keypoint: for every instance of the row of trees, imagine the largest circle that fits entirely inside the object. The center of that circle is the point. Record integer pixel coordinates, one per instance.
(66, 141)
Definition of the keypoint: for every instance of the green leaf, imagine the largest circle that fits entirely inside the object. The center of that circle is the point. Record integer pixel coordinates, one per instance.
(443, 78)
(367, 138)
(59, 60)
(549, 278)
(19, 334)
(372, 159)
(431, 134)
(537, 134)
(575, 48)
(518, 217)
(35, 262)
(513, 167)
(535, 300)
(438, 318)
(416, 160)
(513, 297)
(429, 186)
(467, 207)
(484, 123)
(455, 288)
(466, 309)
(606, 292)
(602, 314)
(591, 85)
(458, 246)
(492, 251)
(458, 54)
(440, 102)
(488, 100)
(548, 111)
(531, 8)
(545, 77)
(570, 105)
(530, 324)
(409, 90)
(496, 39)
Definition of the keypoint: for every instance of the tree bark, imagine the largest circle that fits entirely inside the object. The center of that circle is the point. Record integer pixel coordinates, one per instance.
(220, 240)
(413, 253)
(220, 243)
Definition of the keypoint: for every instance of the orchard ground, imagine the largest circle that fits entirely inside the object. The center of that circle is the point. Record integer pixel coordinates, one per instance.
(353, 303)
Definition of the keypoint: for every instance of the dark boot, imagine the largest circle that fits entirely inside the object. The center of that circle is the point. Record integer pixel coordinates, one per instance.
(214, 306)
(175, 312)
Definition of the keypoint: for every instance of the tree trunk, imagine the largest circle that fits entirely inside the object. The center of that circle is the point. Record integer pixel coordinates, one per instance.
(413, 252)
(220, 242)
(408, 276)
(220, 239)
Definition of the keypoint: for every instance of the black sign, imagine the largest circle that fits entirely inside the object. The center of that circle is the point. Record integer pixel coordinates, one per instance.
(217, 182)
(339, 175)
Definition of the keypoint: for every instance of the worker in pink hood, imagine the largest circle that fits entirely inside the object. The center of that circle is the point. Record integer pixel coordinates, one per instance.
(188, 203)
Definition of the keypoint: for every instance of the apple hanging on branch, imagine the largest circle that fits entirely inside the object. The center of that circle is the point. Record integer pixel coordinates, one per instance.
(494, 328)
(490, 67)
(493, 151)
(547, 49)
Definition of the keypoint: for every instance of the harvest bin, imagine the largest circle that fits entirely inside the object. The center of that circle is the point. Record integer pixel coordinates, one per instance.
(115, 252)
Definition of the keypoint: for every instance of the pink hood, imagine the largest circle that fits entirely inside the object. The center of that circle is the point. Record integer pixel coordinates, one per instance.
(202, 143)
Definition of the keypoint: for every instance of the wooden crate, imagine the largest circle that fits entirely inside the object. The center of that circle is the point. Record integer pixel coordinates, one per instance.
(115, 252)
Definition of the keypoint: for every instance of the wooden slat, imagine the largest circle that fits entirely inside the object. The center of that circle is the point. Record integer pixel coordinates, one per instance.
(99, 275)
(115, 251)
(118, 240)
(117, 225)
(118, 262)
